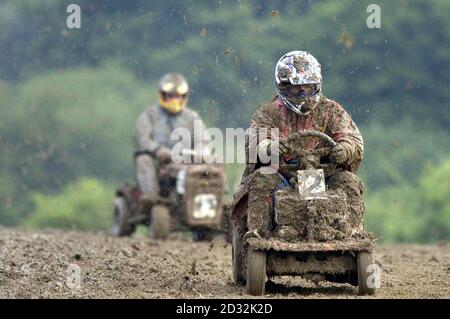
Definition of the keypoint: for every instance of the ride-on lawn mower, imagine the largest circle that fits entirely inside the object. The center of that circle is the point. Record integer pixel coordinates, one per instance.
(191, 197)
(323, 243)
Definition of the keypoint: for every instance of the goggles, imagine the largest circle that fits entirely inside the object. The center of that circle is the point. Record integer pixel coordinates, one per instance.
(298, 91)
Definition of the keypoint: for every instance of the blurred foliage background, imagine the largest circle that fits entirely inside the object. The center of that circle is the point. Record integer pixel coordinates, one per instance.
(69, 98)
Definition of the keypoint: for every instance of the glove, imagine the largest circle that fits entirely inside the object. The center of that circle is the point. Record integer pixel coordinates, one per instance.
(283, 147)
(267, 145)
(163, 154)
(339, 154)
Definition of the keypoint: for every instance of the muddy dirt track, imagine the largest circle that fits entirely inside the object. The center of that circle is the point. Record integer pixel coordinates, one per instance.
(45, 264)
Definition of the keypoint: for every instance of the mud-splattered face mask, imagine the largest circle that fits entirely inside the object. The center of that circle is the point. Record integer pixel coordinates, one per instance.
(298, 93)
(300, 98)
(298, 79)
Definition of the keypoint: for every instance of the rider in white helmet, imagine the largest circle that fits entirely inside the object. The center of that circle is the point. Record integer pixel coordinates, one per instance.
(298, 79)
(297, 106)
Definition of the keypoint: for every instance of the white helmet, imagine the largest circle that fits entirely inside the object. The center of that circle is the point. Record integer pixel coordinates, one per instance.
(298, 68)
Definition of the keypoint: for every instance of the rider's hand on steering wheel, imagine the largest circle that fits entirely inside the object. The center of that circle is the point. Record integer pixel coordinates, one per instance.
(339, 154)
(283, 147)
(267, 146)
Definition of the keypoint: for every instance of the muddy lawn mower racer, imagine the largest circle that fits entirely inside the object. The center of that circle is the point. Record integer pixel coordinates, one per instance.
(314, 212)
(191, 197)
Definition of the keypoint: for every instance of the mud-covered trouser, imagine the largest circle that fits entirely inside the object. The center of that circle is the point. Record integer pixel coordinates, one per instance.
(262, 187)
(352, 185)
(260, 201)
(146, 175)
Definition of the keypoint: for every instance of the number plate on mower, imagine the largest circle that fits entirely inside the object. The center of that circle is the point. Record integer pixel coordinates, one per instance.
(205, 206)
(311, 184)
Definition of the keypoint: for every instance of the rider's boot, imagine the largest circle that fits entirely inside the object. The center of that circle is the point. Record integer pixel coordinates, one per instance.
(287, 233)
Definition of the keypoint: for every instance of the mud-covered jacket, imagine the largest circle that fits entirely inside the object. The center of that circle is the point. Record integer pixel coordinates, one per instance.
(155, 126)
(327, 117)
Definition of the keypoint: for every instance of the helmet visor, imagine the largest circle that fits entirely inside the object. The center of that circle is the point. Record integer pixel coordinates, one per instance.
(172, 96)
(296, 92)
(173, 102)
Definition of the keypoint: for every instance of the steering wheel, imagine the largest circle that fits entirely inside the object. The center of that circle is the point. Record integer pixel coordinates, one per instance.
(307, 159)
(303, 134)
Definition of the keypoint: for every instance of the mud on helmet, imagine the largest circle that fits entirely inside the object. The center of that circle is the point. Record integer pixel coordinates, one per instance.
(173, 92)
(298, 68)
